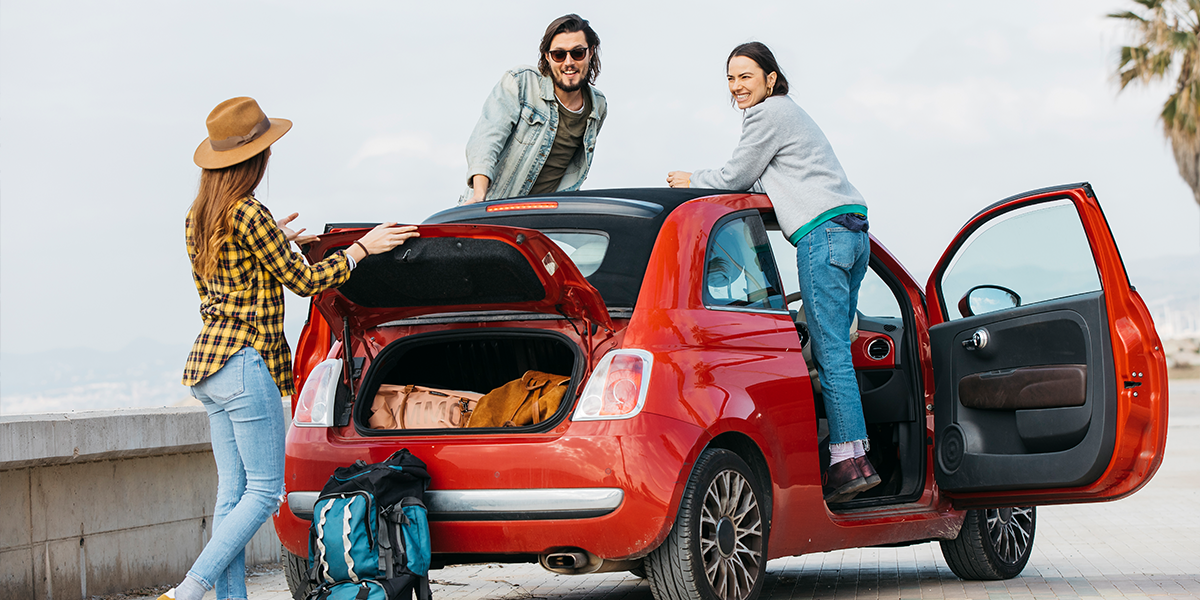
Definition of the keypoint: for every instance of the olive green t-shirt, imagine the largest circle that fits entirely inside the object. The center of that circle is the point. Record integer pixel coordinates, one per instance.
(567, 140)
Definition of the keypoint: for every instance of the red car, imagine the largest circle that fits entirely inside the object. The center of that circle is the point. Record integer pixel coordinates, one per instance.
(689, 445)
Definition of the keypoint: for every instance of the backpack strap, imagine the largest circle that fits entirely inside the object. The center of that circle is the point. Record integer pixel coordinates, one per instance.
(403, 407)
(422, 589)
(310, 563)
(533, 390)
(386, 544)
(536, 391)
(320, 566)
(320, 592)
(465, 410)
(393, 556)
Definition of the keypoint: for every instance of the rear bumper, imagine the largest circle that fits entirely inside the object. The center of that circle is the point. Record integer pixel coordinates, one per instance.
(608, 487)
(499, 505)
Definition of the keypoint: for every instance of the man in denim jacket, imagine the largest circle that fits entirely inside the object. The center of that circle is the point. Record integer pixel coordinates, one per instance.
(538, 129)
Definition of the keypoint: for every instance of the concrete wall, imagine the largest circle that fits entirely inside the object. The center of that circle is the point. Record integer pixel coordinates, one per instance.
(100, 502)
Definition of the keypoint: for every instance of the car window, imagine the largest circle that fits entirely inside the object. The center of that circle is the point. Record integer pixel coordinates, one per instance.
(875, 298)
(585, 248)
(739, 269)
(785, 258)
(1032, 254)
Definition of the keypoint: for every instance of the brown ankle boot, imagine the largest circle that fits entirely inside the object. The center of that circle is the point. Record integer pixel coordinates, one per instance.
(868, 472)
(843, 481)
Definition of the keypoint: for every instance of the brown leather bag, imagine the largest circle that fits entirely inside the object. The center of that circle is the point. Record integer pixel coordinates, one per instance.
(525, 401)
(419, 407)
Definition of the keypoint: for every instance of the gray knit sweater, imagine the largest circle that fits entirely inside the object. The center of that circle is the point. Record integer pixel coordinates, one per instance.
(783, 148)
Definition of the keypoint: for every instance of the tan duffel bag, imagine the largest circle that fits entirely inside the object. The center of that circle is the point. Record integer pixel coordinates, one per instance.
(525, 401)
(419, 407)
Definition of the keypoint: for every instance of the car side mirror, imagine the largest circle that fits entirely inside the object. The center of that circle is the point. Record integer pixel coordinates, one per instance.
(983, 299)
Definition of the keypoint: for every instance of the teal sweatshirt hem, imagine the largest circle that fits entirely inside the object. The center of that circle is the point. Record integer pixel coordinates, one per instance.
(825, 216)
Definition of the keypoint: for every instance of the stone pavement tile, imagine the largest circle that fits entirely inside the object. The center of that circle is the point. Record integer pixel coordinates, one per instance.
(1169, 587)
(973, 589)
(1128, 586)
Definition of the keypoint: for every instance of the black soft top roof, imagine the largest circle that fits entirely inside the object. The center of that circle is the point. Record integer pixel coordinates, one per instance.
(631, 217)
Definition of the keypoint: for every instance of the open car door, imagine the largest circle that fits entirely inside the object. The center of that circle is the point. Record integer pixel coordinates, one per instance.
(1050, 380)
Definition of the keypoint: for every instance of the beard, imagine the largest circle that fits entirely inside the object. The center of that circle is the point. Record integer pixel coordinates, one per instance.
(562, 85)
(569, 88)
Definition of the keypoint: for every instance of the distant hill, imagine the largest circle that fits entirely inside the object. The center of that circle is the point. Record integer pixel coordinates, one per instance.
(144, 373)
(1171, 288)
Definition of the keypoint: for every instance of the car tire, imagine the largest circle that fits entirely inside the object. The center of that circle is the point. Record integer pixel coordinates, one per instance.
(994, 543)
(295, 571)
(717, 548)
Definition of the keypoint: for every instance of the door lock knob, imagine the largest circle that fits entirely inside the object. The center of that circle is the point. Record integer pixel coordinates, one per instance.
(978, 340)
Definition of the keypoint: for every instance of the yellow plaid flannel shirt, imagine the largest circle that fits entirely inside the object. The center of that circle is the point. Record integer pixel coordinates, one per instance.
(242, 305)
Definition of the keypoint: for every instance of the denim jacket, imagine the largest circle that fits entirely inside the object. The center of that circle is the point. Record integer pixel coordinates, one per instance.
(514, 134)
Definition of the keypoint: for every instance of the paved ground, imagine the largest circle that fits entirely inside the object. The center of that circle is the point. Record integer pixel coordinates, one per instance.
(1147, 545)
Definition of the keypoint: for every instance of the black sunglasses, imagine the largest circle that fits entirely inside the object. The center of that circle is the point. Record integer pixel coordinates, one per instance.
(561, 55)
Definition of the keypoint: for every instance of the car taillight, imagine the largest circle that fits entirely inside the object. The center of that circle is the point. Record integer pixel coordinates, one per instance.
(617, 387)
(522, 206)
(314, 408)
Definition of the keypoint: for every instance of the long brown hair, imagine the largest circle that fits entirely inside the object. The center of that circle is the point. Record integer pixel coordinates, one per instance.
(219, 190)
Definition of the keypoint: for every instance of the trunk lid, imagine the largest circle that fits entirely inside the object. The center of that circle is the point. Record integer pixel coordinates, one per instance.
(458, 268)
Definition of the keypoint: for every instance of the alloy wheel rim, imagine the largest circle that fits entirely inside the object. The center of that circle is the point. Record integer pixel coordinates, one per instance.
(730, 505)
(1010, 531)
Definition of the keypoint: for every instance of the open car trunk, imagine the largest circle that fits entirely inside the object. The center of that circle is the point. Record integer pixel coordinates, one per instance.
(455, 269)
(462, 364)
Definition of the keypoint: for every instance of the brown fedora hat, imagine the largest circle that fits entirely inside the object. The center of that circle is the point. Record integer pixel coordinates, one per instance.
(237, 130)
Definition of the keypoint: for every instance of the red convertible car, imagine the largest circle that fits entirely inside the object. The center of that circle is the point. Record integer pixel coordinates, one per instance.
(688, 445)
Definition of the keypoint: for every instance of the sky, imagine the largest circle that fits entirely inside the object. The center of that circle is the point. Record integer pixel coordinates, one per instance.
(935, 109)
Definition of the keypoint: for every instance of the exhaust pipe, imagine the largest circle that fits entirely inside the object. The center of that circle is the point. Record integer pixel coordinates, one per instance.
(577, 561)
(566, 560)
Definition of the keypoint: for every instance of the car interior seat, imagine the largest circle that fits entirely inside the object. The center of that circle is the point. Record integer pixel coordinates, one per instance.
(722, 274)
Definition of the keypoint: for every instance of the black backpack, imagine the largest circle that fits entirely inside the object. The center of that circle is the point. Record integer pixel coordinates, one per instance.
(370, 532)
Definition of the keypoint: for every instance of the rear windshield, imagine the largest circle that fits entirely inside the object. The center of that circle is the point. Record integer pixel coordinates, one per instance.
(609, 234)
(585, 248)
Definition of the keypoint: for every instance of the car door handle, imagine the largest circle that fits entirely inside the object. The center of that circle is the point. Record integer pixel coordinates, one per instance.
(977, 341)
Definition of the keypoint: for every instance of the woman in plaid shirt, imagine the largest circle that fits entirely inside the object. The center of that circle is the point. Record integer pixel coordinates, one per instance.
(240, 364)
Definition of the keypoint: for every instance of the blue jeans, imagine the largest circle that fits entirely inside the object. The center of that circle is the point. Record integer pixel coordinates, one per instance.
(245, 416)
(832, 261)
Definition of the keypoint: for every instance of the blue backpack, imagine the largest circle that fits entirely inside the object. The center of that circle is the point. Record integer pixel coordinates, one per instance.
(369, 537)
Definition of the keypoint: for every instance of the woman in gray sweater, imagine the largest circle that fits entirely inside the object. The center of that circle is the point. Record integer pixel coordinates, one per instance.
(784, 151)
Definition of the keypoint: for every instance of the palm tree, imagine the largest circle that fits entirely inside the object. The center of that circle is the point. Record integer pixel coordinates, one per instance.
(1168, 35)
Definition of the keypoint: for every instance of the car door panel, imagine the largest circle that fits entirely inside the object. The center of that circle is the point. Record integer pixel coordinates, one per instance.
(1065, 399)
(998, 438)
